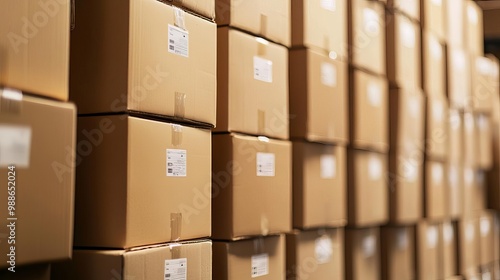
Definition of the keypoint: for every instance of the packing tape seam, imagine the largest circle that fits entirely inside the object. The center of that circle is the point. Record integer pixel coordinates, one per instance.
(179, 18)
(176, 135)
(10, 101)
(180, 104)
(175, 226)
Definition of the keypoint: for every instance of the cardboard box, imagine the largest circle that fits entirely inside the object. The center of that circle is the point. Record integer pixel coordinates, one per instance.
(405, 187)
(456, 142)
(427, 248)
(474, 190)
(367, 188)
(407, 121)
(459, 84)
(34, 38)
(470, 139)
(491, 11)
(252, 186)
(468, 245)
(319, 185)
(201, 7)
(438, 129)
(433, 17)
(186, 260)
(404, 64)
(455, 191)
(456, 21)
(318, 97)
(32, 272)
(435, 191)
(262, 257)
(485, 79)
(495, 270)
(362, 254)
(315, 254)
(433, 64)
(321, 25)
(366, 35)
(448, 243)
(486, 237)
(37, 144)
(261, 106)
(474, 28)
(410, 8)
(398, 252)
(484, 138)
(131, 168)
(114, 70)
(368, 111)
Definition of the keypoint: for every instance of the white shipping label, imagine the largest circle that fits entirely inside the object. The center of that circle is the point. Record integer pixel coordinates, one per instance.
(265, 164)
(323, 249)
(469, 122)
(413, 107)
(448, 233)
(469, 232)
(260, 265)
(374, 168)
(176, 269)
(402, 239)
(459, 60)
(369, 245)
(178, 41)
(328, 166)
(438, 111)
(432, 237)
(330, 5)
(328, 74)
(374, 93)
(371, 22)
(472, 14)
(453, 176)
(437, 173)
(485, 227)
(176, 163)
(486, 276)
(437, 2)
(407, 33)
(15, 145)
(436, 49)
(482, 122)
(483, 66)
(262, 69)
(469, 177)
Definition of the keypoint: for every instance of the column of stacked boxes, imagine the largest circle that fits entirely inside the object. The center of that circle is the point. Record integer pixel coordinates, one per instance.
(319, 129)
(367, 156)
(143, 75)
(37, 138)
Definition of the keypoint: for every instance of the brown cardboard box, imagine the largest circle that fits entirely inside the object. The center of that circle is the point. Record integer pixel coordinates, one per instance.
(484, 138)
(115, 70)
(437, 137)
(484, 83)
(398, 253)
(202, 7)
(34, 39)
(411, 8)
(315, 254)
(491, 12)
(474, 28)
(427, 248)
(456, 134)
(269, 19)
(252, 186)
(319, 185)
(367, 188)
(407, 122)
(261, 106)
(468, 245)
(362, 254)
(141, 182)
(457, 277)
(435, 191)
(433, 17)
(486, 237)
(366, 35)
(262, 257)
(459, 84)
(318, 97)
(190, 260)
(37, 138)
(32, 272)
(405, 187)
(368, 111)
(404, 64)
(455, 192)
(448, 243)
(434, 65)
(321, 24)
(470, 139)
(456, 21)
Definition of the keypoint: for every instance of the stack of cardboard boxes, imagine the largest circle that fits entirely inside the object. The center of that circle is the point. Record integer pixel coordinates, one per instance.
(143, 75)
(37, 138)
